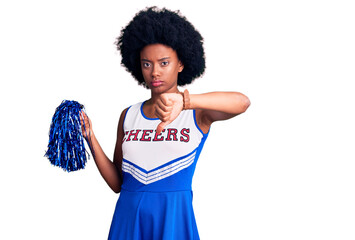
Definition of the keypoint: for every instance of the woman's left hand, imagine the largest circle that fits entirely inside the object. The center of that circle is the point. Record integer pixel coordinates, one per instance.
(168, 108)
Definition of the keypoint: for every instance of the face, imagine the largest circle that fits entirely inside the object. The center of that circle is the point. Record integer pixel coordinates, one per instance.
(160, 67)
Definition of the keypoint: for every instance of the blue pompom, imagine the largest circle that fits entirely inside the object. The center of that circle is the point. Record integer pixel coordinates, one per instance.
(66, 148)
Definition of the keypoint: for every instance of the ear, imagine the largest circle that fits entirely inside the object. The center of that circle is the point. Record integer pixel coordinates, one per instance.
(181, 66)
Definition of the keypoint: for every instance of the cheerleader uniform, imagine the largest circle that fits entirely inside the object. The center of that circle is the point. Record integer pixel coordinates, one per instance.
(155, 202)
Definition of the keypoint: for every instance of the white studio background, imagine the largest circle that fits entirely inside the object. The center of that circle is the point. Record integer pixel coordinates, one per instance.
(283, 170)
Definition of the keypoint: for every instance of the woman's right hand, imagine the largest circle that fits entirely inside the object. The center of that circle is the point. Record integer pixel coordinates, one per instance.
(86, 126)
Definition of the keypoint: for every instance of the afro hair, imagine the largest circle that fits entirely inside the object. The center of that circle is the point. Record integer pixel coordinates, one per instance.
(153, 25)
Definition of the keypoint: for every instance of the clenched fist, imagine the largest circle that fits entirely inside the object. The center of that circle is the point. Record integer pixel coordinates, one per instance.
(168, 108)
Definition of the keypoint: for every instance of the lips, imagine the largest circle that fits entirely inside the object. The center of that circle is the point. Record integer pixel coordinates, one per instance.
(157, 83)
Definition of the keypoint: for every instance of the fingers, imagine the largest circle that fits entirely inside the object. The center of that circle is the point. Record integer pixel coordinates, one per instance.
(163, 116)
(167, 109)
(165, 99)
(164, 104)
(85, 124)
(84, 119)
(163, 111)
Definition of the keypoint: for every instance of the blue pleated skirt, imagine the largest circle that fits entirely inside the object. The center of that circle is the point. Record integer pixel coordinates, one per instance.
(154, 216)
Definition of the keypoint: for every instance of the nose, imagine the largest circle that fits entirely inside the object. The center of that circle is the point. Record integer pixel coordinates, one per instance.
(155, 71)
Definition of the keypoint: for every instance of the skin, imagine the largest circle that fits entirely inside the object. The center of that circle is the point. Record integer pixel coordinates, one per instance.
(160, 67)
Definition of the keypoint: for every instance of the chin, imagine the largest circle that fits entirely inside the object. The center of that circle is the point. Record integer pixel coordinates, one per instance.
(158, 90)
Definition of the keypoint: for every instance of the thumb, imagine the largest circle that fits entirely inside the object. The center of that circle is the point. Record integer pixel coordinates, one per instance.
(161, 127)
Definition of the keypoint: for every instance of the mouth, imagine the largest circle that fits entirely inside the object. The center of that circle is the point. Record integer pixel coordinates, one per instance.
(156, 83)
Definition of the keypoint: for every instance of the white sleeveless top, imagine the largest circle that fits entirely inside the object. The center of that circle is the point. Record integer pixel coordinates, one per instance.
(149, 157)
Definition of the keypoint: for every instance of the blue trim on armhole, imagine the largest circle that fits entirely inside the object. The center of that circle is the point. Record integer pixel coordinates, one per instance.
(124, 119)
(198, 127)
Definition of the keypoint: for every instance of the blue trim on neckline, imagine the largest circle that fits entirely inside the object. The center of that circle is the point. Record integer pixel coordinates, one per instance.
(145, 115)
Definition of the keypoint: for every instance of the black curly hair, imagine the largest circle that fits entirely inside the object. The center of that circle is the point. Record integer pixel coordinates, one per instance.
(153, 25)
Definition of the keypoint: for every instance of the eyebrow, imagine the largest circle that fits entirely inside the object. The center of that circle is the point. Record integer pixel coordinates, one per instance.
(161, 59)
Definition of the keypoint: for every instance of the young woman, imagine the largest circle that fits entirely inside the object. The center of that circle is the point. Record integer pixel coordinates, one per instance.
(159, 141)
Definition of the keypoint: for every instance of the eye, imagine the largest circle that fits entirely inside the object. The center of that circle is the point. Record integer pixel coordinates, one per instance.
(165, 63)
(146, 64)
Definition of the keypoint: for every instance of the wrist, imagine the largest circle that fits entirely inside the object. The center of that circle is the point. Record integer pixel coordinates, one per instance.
(89, 135)
(186, 99)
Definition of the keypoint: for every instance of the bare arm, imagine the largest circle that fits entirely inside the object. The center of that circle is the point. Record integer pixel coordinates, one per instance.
(109, 170)
(217, 106)
(210, 107)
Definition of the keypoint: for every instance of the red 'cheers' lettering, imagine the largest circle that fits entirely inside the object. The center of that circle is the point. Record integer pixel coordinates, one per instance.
(147, 135)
